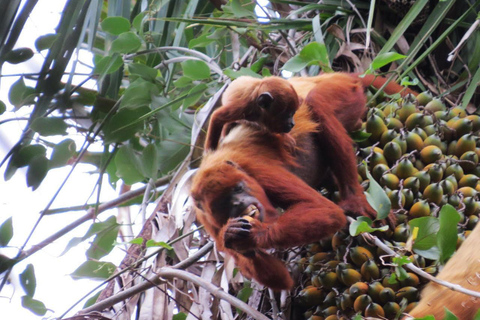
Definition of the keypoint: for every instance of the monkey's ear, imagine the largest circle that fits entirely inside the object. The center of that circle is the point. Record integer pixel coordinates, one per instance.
(264, 100)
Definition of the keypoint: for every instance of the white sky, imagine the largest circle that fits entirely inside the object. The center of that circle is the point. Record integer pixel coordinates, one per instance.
(54, 285)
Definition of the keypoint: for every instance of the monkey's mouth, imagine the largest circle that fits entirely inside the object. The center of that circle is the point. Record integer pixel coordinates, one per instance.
(254, 210)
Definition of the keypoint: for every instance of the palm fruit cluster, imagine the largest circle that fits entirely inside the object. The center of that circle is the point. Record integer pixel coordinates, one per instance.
(424, 155)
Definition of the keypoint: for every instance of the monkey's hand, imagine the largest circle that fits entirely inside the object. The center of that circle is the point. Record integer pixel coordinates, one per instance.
(241, 234)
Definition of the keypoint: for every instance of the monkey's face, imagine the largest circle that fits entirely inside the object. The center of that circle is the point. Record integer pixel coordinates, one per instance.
(278, 103)
(227, 192)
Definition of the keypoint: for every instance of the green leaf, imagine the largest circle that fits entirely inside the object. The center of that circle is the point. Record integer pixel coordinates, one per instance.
(6, 232)
(6, 263)
(62, 153)
(194, 95)
(45, 42)
(433, 253)
(94, 270)
(35, 306)
(240, 10)
(49, 126)
(360, 135)
(138, 21)
(426, 318)
(127, 42)
(183, 82)
(258, 65)
(447, 234)
(477, 315)
(449, 315)
(363, 224)
(196, 69)
(179, 316)
(20, 95)
(3, 107)
(108, 64)
(242, 72)
(377, 198)
(123, 125)
(200, 42)
(172, 152)
(19, 55)
(28, 280)
(27, 153)
(152, 243)
(129, 165)
(104, 239)
(150, 158)
(138, 241)
(144, 71)
(386, 58)
(427, 232)
(37, 171)
(139, 93)
(90, 301)
(115, 25)
(312, 53)
(245, 293)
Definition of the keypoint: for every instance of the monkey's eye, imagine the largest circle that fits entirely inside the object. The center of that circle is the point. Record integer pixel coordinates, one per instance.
(238, 188)
(265, 100)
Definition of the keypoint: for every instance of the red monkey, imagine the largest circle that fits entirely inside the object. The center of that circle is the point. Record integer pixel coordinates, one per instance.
(334, 102)
(248, 176)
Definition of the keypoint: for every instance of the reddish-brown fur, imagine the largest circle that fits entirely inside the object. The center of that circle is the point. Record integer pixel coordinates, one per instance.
(463, 269)
(256, 157)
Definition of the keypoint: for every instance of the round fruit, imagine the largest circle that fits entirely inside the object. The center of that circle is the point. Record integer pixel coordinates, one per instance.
(430, 154)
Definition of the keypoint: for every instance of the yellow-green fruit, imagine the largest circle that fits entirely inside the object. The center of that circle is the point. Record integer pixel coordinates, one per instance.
(390, 181)
(350, 276)
(374, 310)
(417, 260)
(472, 222)
(454, 200)
(310, 296)
(319, 256)
(419, 209)
(314, 317)
(361, 303)
(409, 197)
(330, 311)
(330, 299)
(391, 309)
(377, 158)
(415, 120)
(375, 126)
(390, 108)
(358, 289)
(456, 170)
(468, 180)
(475, 121)
(411, 306)
(397, 199)
(424, 98)
(332, 317)
(387, 295)
(379, 170)
(395, 285)
(374, 290)
(400, 234)
(359, 255)
(388, 136)
(394, 123)
(414, 141)
(471, 206)
(346, 301)
(370, 270)
(430, 154)
(430, 130)
(406, 110)
(435, 105)
(328, 279)
(464, 144)
(424, 179)
(435, 171)
(392, 152)
(404, 169)
(412, 183)
(412, 280)
(433, 140)
(410, 293)
(461, 126)
(459, 112)
(433, 193)
(467, 191)
(448, 187)
(402, 142)
(420, 132)
(469, 161)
